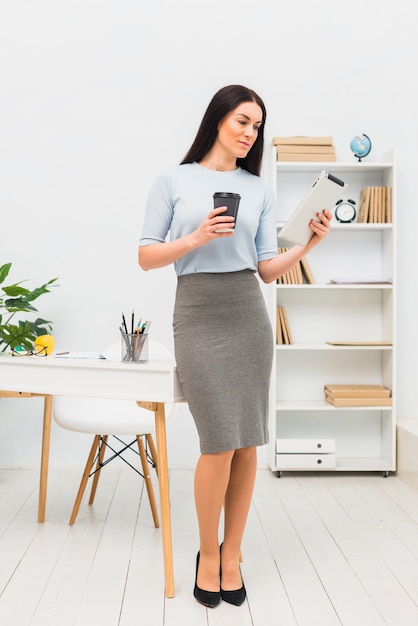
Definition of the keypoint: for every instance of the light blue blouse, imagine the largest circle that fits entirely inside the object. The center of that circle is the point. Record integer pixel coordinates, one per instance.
(182, 197)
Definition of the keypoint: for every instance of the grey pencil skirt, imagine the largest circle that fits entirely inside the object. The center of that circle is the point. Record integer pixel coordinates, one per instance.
(224, 349)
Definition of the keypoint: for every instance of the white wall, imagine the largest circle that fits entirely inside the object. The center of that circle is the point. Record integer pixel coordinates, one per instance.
(97, 96)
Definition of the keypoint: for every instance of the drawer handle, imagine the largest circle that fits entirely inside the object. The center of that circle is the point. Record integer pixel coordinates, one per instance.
(319, 461)
(319, 445)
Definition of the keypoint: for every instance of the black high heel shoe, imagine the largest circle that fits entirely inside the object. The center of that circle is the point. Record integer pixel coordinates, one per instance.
(236, 596)
(208, 598)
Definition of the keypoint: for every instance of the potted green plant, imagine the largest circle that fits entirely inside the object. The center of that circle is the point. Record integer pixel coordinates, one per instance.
(16, 299)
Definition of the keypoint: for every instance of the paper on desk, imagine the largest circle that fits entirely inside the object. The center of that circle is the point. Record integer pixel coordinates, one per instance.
(157, 352)
(113, 353)
(79, 355)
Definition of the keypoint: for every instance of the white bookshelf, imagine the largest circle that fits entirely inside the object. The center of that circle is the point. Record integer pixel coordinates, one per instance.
(307, 433)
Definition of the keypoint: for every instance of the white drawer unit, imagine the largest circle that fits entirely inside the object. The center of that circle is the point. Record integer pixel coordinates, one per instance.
(305, 446)
(305, 461)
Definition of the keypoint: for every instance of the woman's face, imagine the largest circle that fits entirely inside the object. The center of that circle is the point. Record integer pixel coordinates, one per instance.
(238, 130)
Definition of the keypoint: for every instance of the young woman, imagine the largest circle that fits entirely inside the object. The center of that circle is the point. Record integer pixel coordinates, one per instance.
(222, 334)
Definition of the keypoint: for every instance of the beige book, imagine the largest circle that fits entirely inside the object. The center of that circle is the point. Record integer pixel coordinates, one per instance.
(291, 274)
(304, 148)
(286, 325)
(360, 343)
(279, 330)
(284, 328)
(383, 205)
(358, 401)
(299, 275)
(389, 205)
(301, 139)
(372, 206)
(380, 205)
(306, 157)
(360, 282)
(363, 213)
(357, 391)
(306, 271)
(284, 278)
(377, 204)
(294, 274)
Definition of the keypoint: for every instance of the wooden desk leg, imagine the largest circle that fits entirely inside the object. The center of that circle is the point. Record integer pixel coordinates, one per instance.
(46, 438)
(160, 431)
(164, 498)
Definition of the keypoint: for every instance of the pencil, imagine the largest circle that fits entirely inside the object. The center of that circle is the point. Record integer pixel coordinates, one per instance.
(124, 323)
(128, 345)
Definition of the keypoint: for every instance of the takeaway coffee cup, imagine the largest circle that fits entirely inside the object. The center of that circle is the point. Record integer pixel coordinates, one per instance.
(231, 201)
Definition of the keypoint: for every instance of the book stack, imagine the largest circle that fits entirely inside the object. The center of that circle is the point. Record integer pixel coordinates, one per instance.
(375, 205)
(300, 148)
(283, 334)
(299, 274)
(357, 395)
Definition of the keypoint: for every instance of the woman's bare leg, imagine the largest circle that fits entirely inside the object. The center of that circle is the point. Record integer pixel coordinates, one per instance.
(211, 482)
(237, 504)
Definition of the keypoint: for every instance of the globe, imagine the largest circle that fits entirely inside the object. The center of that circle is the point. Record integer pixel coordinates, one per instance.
(360, 146)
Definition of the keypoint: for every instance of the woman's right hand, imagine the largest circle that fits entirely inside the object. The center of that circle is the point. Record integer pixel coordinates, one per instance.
(212, 227)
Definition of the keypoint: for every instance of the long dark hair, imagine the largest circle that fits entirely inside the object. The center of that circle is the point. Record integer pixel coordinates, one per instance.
(223, 102)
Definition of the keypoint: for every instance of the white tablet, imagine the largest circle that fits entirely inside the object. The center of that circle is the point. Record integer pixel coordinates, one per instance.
(323, 194)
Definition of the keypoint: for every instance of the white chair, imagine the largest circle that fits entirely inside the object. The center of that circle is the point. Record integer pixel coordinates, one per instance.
(106, 418)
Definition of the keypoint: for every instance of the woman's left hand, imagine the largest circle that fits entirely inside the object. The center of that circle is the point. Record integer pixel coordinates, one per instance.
(321, 228)
(271, 269)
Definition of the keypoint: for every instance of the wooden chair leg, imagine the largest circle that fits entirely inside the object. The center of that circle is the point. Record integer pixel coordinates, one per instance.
(153, 451)
(148, 480)
(84, 479)
(96, 475)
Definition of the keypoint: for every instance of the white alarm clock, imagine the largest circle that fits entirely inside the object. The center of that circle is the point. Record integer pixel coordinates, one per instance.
(345, 210)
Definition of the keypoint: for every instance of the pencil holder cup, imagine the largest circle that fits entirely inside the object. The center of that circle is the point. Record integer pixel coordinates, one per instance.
(135, 347)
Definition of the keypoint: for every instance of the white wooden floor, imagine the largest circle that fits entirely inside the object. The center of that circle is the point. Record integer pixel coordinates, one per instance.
(320, 549)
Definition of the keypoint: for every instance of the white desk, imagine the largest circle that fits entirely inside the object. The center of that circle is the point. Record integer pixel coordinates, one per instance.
(151, 384)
